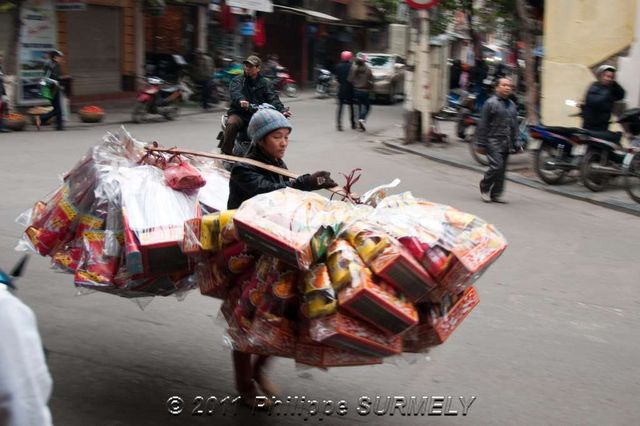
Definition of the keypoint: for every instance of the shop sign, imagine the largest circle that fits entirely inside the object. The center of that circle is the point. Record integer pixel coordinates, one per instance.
(37, 39)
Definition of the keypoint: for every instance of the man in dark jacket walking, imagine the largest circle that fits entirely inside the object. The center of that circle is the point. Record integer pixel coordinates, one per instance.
(345, 89)
(4, 99)
(52, 74)
(497, 132)
(598, 103)
(246, 89)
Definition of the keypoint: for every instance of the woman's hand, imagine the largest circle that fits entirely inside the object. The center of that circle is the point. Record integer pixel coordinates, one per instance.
(322, 180)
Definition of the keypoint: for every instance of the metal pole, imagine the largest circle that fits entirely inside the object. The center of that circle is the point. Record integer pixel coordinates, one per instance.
(423, 92)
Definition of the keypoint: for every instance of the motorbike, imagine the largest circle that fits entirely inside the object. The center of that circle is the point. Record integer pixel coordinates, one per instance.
(157, 98)
(470, 105)
(606, 158)
(284, 83)
(325, 85)
(557, 151)
(222, 78)
(243, 141)
(451, 109)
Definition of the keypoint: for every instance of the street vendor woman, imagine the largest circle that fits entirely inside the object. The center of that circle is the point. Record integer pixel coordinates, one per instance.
(269, 131)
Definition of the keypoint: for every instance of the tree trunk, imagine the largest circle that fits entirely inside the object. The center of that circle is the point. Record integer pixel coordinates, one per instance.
(475, 37)
(11, 58)
(531, 88)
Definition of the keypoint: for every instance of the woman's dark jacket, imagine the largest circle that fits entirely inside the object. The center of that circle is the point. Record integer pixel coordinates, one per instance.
(248, 181)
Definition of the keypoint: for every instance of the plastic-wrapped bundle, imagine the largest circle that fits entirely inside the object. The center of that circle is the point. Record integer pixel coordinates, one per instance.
(455, 247)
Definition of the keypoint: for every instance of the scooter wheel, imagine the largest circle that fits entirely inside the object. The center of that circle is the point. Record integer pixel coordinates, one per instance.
(172, 113)
(632, 178)
(139, 112)
(592, 179)
(291, 90)
(540, 159)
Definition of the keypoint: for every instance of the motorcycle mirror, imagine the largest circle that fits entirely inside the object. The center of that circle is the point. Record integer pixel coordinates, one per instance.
(571, 103)
(18, 269)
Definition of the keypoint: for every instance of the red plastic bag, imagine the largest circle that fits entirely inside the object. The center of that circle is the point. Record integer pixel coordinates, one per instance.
(183, 176)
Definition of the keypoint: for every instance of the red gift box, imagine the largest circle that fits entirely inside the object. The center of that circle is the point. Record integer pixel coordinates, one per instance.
(341, 331)
(378, 304)
(297, 254)
(471, 262)
(327, 356)
(274, 337)
(396, 266)
(434, 330)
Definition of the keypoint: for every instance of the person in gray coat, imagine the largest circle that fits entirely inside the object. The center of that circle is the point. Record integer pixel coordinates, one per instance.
(497, 132)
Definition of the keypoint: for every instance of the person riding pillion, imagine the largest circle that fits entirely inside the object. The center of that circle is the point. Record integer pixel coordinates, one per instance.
(251, 87)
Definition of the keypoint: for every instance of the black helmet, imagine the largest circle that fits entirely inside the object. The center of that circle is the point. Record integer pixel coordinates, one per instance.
(55, 54)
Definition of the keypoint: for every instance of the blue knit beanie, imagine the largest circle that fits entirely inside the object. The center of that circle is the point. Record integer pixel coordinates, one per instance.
(266, 121)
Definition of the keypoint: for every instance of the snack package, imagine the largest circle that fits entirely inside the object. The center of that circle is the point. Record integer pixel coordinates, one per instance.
(378, 304)
(212, 277)
(318, 293)
(439, 320)
(344, 264)
(342, 331)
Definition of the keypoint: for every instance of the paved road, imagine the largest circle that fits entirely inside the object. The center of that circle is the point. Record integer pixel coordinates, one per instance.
(554, 340)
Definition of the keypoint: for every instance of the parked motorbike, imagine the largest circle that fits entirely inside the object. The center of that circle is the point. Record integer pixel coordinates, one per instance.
(451, 109)
(284, 83)
(325, 85)
(557, 151)
(606, 158)
(157, 98)
(470, 106)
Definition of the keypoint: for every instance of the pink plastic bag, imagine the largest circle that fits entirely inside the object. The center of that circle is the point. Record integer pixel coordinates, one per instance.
(183, 177)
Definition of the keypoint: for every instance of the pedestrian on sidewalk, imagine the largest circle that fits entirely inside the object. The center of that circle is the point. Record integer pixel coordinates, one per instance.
(203, 76)
(361, 77)
(52, 75)
(345, 89)
(497, 132)
(4, 99)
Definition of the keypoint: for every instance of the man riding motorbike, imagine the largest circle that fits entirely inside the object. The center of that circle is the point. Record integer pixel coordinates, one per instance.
(246, 89)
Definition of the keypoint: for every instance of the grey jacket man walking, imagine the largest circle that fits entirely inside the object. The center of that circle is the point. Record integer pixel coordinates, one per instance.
(497, 131)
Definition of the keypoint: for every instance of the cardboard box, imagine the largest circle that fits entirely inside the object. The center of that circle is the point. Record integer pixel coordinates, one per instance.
(378, 304)
(434, 331)
(396, 266)
(341, 331)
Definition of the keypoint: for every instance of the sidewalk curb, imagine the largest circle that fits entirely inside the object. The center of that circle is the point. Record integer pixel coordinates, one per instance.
(186, 112)
(514, 177)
